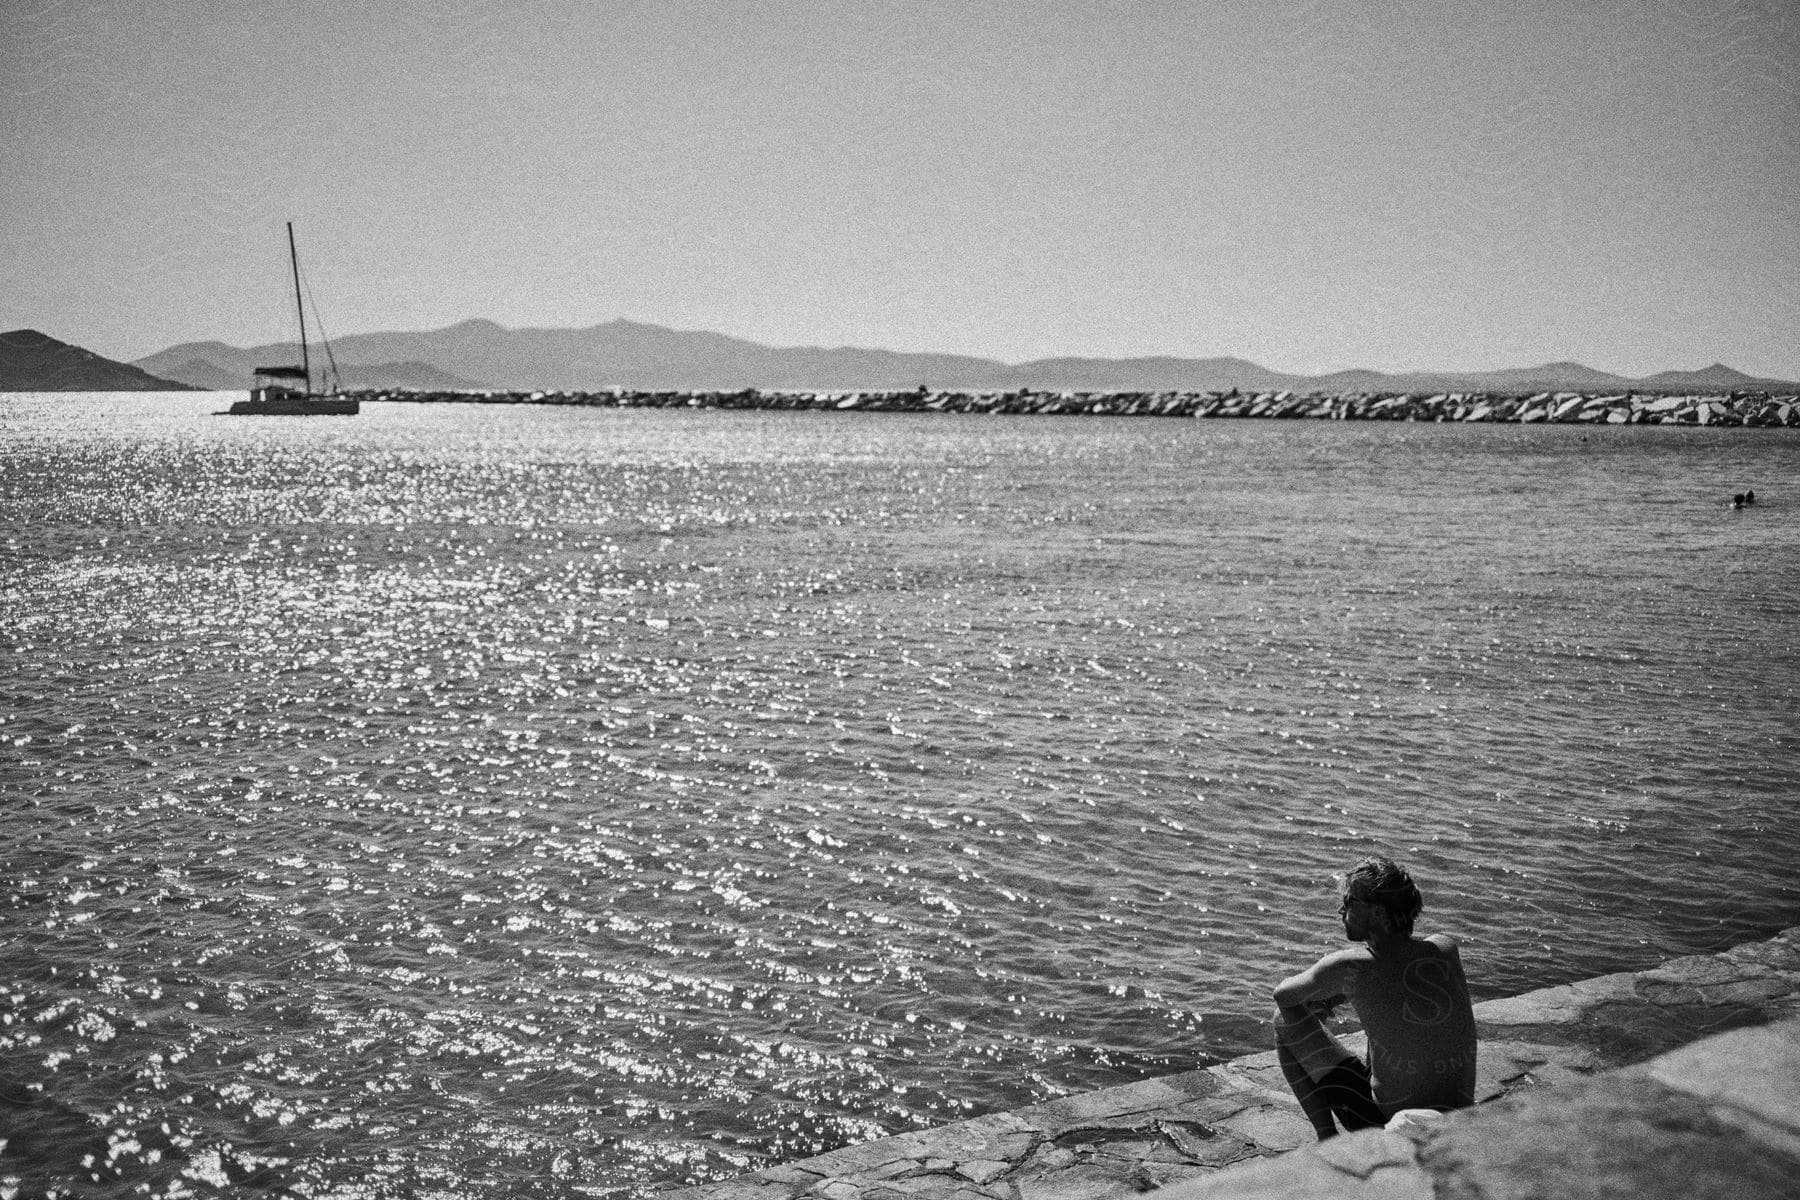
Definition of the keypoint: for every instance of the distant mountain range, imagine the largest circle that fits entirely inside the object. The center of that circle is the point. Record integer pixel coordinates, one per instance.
(31, 361)
(205, 372)
(481, 354)
(475, 355)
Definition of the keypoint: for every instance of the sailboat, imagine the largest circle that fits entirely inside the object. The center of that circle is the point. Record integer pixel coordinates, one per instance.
(274, 392)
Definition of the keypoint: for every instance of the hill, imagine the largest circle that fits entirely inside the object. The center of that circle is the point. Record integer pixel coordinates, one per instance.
(198, 372)
(208, 375)
(1717, 377)
(630, 354)
(618, 353)
(31, 361)
(406, 377)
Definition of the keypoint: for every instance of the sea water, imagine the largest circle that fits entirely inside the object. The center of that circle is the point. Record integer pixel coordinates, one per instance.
(478, 800)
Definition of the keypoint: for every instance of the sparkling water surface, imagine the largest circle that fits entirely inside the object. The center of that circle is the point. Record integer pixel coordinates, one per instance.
(462, 801)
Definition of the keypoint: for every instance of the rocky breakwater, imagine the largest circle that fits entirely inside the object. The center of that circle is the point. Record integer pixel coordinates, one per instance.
(1637, 408)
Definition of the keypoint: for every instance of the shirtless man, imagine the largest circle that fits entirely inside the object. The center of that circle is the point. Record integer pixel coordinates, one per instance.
(1411, 997)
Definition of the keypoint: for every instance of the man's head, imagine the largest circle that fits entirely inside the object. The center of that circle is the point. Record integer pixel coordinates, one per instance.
(1380, 884)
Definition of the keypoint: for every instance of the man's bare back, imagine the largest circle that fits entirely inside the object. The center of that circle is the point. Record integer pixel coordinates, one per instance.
(1411, 996)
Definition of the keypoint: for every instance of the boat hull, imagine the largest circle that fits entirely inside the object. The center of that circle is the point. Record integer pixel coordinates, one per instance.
(294, 404)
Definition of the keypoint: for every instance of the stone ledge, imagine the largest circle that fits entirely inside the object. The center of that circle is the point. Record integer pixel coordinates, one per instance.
(1551, 1058)
(1717, 1118)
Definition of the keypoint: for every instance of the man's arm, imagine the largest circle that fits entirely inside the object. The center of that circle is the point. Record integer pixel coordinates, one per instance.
(1325, 983)
(1307, 1052)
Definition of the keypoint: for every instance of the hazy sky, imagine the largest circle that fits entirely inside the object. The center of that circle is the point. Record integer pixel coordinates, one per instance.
(1448, 184)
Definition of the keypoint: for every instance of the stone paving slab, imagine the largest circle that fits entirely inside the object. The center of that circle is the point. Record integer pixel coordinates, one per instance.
(1719, 1118)
(1547, 1052)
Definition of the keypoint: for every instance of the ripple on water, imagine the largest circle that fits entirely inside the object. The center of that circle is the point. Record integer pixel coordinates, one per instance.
(555, 801)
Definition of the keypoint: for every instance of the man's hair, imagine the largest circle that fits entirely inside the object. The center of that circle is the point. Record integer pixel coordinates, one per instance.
(1385, 882)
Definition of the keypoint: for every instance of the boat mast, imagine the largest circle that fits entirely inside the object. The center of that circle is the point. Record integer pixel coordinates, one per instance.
(294, 260)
